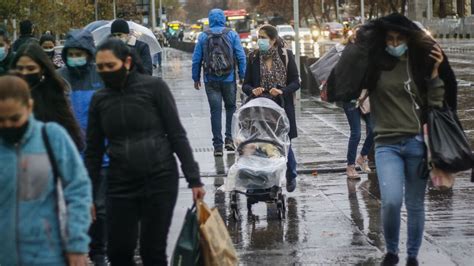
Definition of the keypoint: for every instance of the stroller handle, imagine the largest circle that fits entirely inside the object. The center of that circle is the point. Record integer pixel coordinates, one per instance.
(266, 94)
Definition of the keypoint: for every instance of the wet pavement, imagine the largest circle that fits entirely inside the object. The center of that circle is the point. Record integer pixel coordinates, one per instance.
(330, 220)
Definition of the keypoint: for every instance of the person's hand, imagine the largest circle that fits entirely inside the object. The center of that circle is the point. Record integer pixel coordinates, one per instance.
(198, 193)
(77, 259)
(197, 85)
(275, 92)
(258, 91)
(437, 55)
(93, 213)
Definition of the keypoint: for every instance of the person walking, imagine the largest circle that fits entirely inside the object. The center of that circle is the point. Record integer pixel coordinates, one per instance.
(31, 228)
(121, 30)
(272, 68)
(48, 89)
(47, 42)
(137, 115)
(407, 74)
(6, 53)
(356, 110)
(216, 51)
(26, 35)
(81, 74)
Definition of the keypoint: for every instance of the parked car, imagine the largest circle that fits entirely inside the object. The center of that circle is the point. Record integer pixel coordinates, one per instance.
(286, 32)
(332, 30)
(305, 34)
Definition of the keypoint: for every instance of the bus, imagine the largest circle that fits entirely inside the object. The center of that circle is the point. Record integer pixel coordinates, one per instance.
(239, 20)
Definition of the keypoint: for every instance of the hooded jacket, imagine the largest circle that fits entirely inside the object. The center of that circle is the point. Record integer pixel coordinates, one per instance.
(6, 62)
(361, 64)
(29, 223)
(84, 80)
(217, 25)
(143, 130)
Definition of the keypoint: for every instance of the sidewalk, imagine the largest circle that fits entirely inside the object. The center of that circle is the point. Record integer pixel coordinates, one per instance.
(330, 220)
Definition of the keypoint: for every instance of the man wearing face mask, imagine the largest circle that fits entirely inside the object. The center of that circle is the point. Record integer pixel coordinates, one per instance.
(80, 72)
(6, 54)
(47, 42)
(121, 30)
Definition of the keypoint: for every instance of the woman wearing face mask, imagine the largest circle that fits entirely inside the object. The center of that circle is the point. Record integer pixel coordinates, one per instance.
(48, 89)
(6, 54)
(354, 114)
(407, 74)
(47, 43)
(137, 115)
(272, 68)
(30, 224)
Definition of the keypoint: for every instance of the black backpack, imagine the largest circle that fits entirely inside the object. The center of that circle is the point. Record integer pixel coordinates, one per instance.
(218, 54)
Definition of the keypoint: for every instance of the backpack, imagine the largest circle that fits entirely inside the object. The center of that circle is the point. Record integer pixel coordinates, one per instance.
(218, 54)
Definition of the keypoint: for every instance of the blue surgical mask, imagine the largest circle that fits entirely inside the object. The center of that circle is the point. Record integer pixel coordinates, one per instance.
(3, 53)
(263, 45)
(76, 61)
(397, 51)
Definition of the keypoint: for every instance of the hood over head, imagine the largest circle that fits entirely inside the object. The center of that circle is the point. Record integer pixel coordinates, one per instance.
(216, 18)
(79, 39)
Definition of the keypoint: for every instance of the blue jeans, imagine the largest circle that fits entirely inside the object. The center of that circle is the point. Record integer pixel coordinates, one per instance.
(291, 165)
(398, 169)
(354, 115)
(216, 92)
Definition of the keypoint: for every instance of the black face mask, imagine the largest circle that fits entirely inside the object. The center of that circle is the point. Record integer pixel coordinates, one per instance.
(32, 79)
(13, 134)
(115, 79)
(50, 54)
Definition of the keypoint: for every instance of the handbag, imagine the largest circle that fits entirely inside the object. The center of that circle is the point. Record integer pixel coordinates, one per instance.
(363, 102)
(187, 250)
(59, 195)
(450, 149)
(217, 248)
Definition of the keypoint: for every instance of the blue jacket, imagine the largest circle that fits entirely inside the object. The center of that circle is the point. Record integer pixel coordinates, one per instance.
(84, 81)
(29, 226)
(217, 24)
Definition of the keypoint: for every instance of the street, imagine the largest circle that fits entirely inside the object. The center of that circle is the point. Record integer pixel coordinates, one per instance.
(330, 220)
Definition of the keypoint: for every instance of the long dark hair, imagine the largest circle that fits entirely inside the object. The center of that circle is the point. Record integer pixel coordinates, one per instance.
(122, 51)
(272, 32)
(50, 96)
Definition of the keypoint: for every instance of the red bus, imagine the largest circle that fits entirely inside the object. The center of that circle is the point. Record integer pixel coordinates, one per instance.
(239, 20)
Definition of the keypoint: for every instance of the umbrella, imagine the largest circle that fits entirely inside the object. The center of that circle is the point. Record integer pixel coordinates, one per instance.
(96, 24)
(140, 32)
(322, 68)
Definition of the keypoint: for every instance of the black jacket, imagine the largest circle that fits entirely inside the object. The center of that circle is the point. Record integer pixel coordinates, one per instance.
(6, 62)
(143, 52)
(252, 81)
(23, 39)
(143, 131)
(361, 64)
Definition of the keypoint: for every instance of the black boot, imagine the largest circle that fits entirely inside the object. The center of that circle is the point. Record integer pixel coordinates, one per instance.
(390, 259)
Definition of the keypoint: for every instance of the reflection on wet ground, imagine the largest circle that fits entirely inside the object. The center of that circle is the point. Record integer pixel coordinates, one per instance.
(330, 220)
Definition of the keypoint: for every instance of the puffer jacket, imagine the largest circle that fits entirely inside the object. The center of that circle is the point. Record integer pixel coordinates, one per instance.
(84, 81)
(29, 223)
(143, 130)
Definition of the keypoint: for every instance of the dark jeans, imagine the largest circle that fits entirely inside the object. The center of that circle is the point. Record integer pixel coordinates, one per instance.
(152, 215)
(291, 165)
(216, 92)
(98, 230)
(354, 115)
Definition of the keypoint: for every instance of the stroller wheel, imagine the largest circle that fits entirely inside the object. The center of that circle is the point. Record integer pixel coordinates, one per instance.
(281, 206)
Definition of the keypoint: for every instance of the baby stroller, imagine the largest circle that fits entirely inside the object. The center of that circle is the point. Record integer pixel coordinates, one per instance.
(260, 133)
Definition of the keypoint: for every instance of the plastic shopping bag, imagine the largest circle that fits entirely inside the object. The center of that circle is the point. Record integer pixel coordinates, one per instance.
(187, 250)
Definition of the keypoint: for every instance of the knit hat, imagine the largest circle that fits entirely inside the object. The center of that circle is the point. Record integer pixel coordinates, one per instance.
(120, 26)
